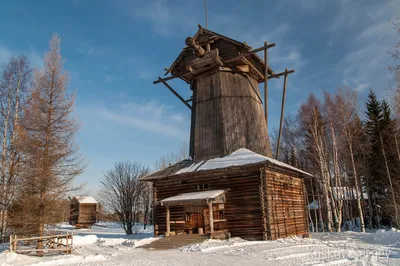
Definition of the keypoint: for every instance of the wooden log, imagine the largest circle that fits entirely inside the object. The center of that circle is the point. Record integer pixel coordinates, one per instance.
(174, 92)
(282, 115)
(281, 74)
(211, 218)
(266, 84)
(249, 53)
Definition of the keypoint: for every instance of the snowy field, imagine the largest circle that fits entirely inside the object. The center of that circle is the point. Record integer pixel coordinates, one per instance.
(110, 246)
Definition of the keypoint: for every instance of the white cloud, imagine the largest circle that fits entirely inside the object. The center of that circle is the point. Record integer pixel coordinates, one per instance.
(5, 54)
(35, 59)
(303, 4)
(164, 18)
(91, 51)
(158, 13)
(147, 116)
(364, 66)
(284, 54)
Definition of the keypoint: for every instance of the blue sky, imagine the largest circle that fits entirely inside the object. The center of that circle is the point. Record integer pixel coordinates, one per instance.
(114, 50)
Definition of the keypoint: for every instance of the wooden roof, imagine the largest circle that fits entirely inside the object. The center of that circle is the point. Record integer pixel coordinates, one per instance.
(240, 158)
(222, 50)
(198, 197)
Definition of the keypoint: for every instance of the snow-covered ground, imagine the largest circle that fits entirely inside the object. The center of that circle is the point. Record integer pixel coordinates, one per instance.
(110, 246)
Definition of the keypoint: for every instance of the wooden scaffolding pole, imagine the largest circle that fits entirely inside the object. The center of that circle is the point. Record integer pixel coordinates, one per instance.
(282, 113)
(174, 92)
(266, 83)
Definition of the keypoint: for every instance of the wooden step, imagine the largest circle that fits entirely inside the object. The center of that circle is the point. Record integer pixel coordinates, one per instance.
(176, 241)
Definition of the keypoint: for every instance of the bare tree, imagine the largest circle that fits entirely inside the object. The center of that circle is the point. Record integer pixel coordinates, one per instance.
(337, 202)
(313, 126)
(146, 198)
(346, 101)
(13, 87)
(122, 192)
(173, 157)
(50, 159)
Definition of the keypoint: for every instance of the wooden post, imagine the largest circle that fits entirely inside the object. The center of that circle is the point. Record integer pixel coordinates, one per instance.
(168, 222)
(15, 243)
(11, 242)
(282, 115)
(210, 212)
(266, 83)
(66, 243)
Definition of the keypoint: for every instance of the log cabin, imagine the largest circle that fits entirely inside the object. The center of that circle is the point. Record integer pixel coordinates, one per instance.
(246, 194)
(231, 186)
(83, 211)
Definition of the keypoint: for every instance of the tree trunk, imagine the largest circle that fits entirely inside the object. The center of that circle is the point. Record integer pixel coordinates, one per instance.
(336, 170)
(369, 193)
(315, 207)
(353, 165)
(396, 215)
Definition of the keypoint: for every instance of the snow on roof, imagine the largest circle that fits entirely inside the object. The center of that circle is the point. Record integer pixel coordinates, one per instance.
(240, 157)
(195, 196)
(85, 199)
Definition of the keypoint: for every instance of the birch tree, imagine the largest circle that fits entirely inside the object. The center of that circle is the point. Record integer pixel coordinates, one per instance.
(346, 101)
(311, 122)
(13, 87)
(331, 111)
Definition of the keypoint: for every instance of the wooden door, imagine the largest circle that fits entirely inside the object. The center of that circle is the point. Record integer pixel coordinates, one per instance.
(196, 220)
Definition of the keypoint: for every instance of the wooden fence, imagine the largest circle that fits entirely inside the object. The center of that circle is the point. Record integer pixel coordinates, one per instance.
(55, 243)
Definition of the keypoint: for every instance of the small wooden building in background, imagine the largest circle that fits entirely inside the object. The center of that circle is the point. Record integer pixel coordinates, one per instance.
(83, 211)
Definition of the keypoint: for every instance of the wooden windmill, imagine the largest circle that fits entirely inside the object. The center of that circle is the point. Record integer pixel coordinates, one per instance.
(226, 105)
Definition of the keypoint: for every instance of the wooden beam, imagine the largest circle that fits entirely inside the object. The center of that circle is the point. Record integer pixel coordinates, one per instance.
(250, 52)
(261, 75)
(266, 84)
(286, 72)
(167, 220)
(282, 115)
(211, 217)
(174, 92)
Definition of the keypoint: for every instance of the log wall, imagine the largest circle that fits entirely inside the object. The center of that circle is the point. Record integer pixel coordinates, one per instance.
(286, 202)
(227, 115)
(284, 212)
(242, 207)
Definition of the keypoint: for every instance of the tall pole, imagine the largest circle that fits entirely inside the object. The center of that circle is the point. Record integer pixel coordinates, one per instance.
(205, 8)
(266, 84)
(282, 115)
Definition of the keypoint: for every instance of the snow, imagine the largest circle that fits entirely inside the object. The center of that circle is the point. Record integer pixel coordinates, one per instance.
(200, 195)
(86, 199)
(109, 246)
(240, 157)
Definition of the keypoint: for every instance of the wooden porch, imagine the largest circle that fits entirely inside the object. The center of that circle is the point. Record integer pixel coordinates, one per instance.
(203, 213)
